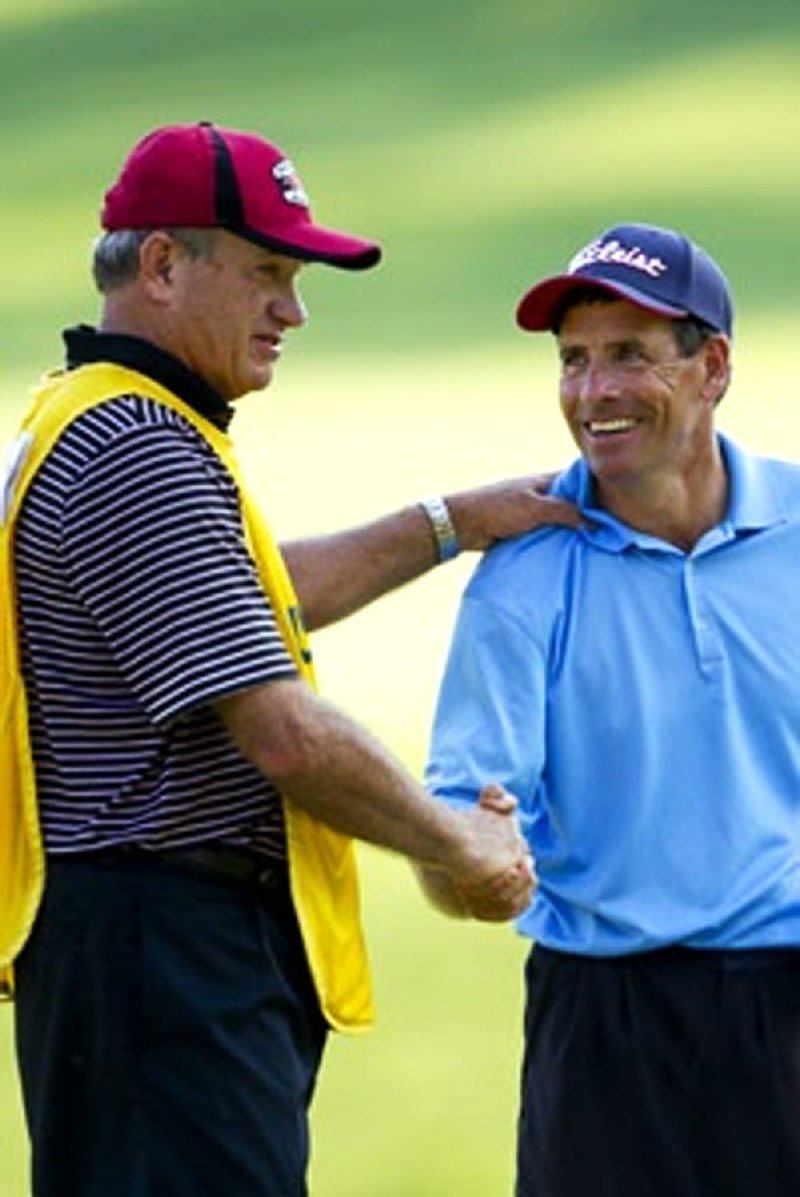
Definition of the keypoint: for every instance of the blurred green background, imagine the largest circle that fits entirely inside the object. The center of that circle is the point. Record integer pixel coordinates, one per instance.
(482, 143)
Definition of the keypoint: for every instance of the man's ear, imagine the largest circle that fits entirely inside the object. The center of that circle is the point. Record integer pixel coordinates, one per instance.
(157, 256)
(717, 366)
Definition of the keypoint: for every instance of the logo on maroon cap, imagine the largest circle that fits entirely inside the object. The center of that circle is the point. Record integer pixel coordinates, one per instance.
(285, 176)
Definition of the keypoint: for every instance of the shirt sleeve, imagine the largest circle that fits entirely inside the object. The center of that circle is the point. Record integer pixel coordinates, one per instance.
(153, 537)
(489, 724)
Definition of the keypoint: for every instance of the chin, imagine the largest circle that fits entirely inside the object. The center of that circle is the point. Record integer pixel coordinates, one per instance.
(612, 463)
(257, 381)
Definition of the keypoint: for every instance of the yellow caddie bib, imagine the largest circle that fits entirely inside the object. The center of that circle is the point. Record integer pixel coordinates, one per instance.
(322, 862)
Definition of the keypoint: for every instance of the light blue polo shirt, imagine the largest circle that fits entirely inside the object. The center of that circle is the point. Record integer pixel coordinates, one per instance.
(644, 705)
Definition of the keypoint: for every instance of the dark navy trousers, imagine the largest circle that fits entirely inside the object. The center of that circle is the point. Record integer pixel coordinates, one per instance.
(168, 1035)
(671, 1073)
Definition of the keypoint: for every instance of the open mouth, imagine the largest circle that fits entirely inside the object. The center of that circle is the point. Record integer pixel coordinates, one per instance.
(615, 427)
(270, 346)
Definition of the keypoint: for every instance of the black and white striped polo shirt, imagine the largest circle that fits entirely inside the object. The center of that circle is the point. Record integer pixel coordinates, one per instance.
(139, 605)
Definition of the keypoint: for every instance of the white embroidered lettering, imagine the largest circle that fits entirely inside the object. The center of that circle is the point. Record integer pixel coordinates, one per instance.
(620, 255)
(291, 188)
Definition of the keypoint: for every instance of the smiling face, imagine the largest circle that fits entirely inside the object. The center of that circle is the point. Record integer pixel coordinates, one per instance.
(227, 311)
(640, 413)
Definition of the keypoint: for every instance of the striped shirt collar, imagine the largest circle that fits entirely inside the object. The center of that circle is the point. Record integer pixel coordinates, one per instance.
(85, 344)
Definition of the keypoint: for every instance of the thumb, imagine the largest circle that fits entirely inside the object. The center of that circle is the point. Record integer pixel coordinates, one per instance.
(493, 797)
(559, 511)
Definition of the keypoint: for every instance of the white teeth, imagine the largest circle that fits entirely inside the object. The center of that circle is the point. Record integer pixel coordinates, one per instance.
(619, 425)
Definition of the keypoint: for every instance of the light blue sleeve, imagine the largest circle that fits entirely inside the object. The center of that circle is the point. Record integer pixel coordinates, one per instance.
(489, 724)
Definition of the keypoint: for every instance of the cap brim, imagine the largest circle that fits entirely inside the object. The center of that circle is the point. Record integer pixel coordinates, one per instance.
(312, 243)
(538, 310)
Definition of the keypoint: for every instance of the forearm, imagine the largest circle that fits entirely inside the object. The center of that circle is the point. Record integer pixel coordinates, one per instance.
(357, 787)
(339, 773)
(336, 575)
(440, 891)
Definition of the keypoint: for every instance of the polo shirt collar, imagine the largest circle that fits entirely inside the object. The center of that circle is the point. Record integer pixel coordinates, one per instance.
(85, 344)
(754, 503)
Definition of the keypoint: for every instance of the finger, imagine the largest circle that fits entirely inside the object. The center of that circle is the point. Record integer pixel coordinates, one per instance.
(541, 483)
(493, 797)
(558, 511)
(518, 878)
(495, 910)
(525, 867)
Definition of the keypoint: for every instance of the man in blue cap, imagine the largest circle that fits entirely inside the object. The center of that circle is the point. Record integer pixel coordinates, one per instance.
(636, 683)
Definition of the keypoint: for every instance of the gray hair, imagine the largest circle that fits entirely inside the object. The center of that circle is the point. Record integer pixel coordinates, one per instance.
(115, 255)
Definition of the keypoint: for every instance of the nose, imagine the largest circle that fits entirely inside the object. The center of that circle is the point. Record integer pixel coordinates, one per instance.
(598, 380)
(288, 308)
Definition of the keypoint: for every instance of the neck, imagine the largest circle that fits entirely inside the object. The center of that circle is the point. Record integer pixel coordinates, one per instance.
(85, 345)
(678, 508)
(123, 316)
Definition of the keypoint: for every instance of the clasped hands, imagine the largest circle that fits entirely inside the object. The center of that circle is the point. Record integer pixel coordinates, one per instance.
(496, 880)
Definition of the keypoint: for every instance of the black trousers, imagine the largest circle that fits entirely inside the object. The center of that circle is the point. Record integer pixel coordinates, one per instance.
(667, 1074)
(168, 1035)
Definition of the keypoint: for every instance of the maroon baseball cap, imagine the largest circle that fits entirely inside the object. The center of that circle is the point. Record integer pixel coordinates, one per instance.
(204, 176)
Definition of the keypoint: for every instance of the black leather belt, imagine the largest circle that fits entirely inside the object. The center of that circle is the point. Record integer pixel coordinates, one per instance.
(237, 866)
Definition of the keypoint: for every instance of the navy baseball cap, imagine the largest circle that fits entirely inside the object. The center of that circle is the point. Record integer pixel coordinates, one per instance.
(656, 269)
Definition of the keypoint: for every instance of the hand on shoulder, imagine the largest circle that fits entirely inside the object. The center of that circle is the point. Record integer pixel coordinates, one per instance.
(503, 509)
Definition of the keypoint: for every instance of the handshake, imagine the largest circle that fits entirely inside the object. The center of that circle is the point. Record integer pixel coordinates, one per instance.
(491, 875)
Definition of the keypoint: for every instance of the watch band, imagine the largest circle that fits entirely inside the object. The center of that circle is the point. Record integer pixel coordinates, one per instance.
(447, 543)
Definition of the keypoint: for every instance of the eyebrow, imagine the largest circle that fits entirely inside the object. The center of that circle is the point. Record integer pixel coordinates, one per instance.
(633, 341)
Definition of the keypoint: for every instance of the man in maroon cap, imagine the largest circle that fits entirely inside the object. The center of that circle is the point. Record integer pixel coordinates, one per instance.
(179, 899)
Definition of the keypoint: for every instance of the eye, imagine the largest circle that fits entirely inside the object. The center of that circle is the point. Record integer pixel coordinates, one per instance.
(630, 353)
(572, 360)
(280, 271)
